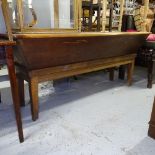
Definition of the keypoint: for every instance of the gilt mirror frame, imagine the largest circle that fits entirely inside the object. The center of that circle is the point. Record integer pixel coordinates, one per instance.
(30, 29)
(4, 6)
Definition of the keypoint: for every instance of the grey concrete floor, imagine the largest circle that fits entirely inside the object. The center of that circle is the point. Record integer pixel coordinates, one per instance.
(88, 116)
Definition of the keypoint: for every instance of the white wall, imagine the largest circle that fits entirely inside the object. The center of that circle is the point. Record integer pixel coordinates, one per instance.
(2, 25)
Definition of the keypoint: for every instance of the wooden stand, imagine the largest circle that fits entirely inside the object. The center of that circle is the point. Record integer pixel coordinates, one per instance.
(146, 57)
(11, 70)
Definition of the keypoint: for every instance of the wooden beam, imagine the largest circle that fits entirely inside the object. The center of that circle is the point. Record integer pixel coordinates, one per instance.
(80, 12)
(104, 9)
(146, 7)
(56, 14)
(121, 14)
(5, 10)
(111, 16)
(21, 14)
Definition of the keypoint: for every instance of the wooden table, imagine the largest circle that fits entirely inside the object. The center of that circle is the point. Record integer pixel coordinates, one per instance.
(13, 82)
(51, 56)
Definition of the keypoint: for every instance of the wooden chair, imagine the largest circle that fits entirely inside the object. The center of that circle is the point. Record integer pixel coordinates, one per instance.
(112, 15)
(7, 45)
(11, 70)
(89, 7)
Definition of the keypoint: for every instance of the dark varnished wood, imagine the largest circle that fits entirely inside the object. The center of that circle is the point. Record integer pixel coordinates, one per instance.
(121, 74)
(33, 90)
(150, 69)
(151, 131)
(56, 51)
(130, 68)
(46, 57)
(14, 87)
(21, 91)
(7, 42)
(146, 57)
(111, 74)
(0, 98)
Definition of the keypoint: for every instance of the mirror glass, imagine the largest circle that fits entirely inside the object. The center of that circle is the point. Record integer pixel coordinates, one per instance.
(13, 13)
(43, 14)
(48, 13)
(2, 23)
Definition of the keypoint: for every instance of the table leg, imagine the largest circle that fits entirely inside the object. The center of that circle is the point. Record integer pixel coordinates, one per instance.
(0, 97)
(121, 72)
(33, 90)
(151, 131)
(21, 90)
(0, 91)
(150, 73)
(111, 74)
(14, 89)
(130, 72)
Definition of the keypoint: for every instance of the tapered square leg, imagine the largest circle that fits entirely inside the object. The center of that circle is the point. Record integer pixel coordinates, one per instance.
(21, 91)
(0, 91)
(111, 74)
(151, 131)
(130, 72)
(33, 90)
(14, 90)
(121, 74)
(0, 97)
(150, 73)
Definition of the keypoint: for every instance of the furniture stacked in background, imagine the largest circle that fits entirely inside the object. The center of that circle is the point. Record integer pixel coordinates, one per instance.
(116, 8)
(142, 21)
(88, 11)
(98, 14)
(146, 56)
(135, 12)
(128, 23)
